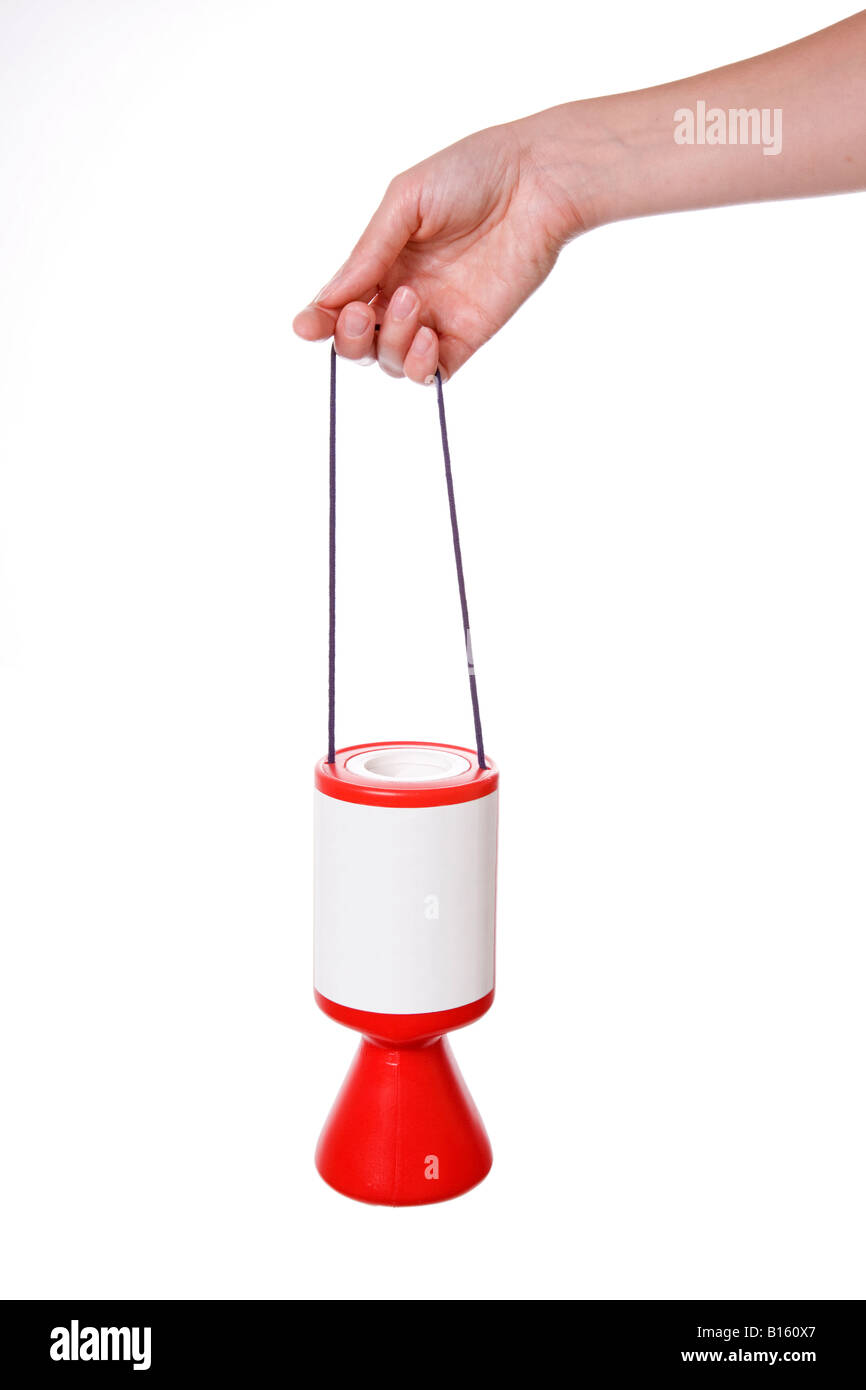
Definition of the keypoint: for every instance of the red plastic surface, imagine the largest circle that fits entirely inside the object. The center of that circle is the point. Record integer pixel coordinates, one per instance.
(334, 779)
(401, 1029)
(404, 1130)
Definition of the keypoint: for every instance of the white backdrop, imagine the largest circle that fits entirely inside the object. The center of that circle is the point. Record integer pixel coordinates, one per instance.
(660, 474)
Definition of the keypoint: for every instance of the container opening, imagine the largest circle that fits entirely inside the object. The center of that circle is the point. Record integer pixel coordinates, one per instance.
(409, 764)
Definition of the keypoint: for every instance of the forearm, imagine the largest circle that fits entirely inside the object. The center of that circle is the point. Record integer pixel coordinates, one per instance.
(617, 157)
(462, 239)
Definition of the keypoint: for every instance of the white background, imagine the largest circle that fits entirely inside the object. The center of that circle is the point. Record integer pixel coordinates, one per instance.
(660, 474)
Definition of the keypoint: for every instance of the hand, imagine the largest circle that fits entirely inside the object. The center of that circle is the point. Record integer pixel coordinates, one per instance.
(455, 247)
(460, 241)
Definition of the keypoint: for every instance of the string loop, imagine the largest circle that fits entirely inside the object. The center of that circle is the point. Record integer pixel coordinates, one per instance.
(332, 563)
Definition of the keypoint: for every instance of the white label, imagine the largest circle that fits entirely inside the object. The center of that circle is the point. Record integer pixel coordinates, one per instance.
(405, 904)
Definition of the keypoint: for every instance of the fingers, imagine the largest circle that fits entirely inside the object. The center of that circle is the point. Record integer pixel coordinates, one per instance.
(395, 220)
(422, 358)
(314, 323)
(399, 324)
(393, 223)
(403, 346)
(343, 308)
(355, 330)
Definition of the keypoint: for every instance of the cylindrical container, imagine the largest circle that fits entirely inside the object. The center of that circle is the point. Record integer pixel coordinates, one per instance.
(405, 921)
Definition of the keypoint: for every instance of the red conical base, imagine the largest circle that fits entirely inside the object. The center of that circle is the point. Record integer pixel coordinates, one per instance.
(404, 1129)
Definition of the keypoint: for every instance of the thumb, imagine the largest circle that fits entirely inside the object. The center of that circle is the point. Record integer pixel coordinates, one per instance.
(395, 220)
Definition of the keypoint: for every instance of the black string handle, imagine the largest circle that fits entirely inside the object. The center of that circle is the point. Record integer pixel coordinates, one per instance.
(332, 555)
(332, 563)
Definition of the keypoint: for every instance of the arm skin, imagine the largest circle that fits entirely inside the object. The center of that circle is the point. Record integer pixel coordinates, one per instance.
(462, 239)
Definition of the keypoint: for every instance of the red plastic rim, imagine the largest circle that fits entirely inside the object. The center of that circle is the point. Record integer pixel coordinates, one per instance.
(405, 1028)
(335, 779)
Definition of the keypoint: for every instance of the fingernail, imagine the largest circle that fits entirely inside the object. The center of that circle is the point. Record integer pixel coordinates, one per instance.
(429, 380)
(356, 323)
(422, 342)
(404, 303)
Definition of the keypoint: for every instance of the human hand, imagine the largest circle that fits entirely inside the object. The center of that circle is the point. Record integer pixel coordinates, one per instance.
(462, 239)
(455, 247)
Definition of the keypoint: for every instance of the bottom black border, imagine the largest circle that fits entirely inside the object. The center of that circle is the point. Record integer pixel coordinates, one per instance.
(267, 1342)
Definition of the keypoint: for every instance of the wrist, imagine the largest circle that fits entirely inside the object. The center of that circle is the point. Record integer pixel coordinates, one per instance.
(593, 160)
(603, 159)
